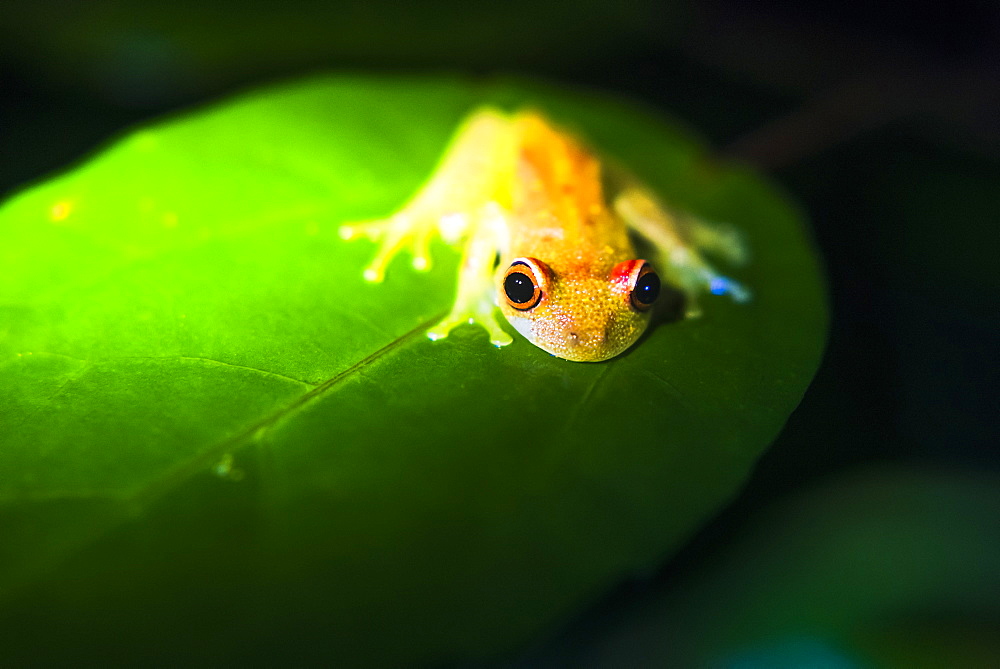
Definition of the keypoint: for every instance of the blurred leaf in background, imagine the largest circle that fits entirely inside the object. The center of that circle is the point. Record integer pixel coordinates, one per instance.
(147, 54)
(890, 567)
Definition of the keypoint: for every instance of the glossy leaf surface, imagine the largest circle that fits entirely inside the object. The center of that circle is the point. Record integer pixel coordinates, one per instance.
(213, 431)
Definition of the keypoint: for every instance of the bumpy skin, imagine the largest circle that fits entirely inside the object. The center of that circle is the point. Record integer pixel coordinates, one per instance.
(517, 187)
(559, 216)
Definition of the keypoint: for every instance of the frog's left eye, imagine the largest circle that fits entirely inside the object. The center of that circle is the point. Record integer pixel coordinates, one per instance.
(639, 281)
(646, 289)
(525, 283)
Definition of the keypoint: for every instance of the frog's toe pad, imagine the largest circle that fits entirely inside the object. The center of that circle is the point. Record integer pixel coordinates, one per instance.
(720, 285)
(498, 337)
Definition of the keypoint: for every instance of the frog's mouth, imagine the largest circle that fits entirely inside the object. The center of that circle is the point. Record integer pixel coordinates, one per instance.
(576, 344)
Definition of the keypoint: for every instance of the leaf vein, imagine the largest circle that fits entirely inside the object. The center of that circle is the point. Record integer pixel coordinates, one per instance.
(215, 362)
(585, 398)
(210, 456)
(40, 406)
(93, 361)
(674, 390)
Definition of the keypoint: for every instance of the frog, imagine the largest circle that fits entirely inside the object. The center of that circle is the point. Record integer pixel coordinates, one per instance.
(545, 227)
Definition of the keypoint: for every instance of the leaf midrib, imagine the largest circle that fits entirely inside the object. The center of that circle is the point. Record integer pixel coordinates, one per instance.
(203, 460)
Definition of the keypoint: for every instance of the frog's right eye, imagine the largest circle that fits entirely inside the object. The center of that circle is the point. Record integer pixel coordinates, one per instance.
(637, 282)
(525, 283)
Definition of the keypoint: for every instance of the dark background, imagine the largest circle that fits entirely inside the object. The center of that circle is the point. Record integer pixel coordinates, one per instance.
(881, 119)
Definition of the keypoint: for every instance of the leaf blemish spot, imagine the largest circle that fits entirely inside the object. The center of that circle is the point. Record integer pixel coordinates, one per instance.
(224, 469)
(60, 211)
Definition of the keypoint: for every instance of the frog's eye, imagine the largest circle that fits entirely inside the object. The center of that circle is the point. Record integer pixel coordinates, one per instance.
(524, 283)
(640, 282)
(646, 289)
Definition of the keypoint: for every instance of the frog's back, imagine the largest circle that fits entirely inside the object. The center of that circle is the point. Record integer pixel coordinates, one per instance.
(558, 203)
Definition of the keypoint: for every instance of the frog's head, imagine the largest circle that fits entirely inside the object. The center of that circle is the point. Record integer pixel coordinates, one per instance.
(575, 313)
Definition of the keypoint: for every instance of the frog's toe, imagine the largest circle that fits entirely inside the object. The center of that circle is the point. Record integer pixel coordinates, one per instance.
(498, 336)
(420, 250)
(443, 329)
(721, 285)
(372, 230)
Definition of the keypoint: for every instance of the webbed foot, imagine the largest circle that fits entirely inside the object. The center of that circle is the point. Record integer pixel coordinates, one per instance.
(393, 234)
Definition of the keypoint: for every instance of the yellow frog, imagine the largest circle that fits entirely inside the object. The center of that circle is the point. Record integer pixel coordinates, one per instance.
(514, 186)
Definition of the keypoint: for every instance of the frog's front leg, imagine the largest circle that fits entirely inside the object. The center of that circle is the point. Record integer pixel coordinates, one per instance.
(680, 242)
(462, 200)
(474, 169)
(475, 301)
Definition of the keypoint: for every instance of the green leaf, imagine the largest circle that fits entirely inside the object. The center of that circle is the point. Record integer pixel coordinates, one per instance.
(218, 442)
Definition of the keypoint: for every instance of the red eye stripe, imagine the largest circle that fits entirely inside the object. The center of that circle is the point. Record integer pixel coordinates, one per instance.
(624, 273)
(637, 282)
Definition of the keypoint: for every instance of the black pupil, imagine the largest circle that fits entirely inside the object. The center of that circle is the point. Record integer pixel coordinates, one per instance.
(647, 288)
(519, 287)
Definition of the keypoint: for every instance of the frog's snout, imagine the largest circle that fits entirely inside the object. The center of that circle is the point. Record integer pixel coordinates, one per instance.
(582, 335)
(586, 340)
(581, 344)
